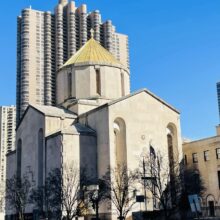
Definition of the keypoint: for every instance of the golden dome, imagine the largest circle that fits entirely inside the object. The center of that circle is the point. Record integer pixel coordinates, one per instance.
(92, 52)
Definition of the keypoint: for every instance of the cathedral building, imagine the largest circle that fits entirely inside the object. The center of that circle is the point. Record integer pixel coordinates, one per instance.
(97, 122)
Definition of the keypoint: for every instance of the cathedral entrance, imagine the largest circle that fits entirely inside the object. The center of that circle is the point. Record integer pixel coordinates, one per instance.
(211, 208)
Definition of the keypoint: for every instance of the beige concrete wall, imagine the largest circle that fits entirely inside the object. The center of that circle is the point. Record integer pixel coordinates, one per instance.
(54, 124)
(88, 155)
(208, 169)
(53, 153)
(72, 150)
(28, 133)
(146, 121)
(82, 107)
(99, 122)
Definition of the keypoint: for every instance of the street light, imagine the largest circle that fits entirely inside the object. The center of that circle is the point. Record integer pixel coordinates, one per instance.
(147, 178)
(94, 197)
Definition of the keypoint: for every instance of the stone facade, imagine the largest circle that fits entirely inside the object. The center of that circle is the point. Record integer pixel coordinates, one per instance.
(97, 123)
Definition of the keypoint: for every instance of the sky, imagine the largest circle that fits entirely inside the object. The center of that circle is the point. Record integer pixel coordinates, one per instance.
(174, 52)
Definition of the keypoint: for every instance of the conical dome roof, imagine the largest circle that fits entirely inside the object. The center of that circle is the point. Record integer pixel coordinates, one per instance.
(93, 52)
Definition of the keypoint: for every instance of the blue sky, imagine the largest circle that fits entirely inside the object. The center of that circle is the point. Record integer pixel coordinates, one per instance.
(174, 52)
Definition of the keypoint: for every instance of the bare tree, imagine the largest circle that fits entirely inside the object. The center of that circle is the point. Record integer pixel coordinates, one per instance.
(62, 193)
(72, 194)
(96, 195)
(47, 198)
(169, 184)
(161, 181)
(121, 188)
(17, 194)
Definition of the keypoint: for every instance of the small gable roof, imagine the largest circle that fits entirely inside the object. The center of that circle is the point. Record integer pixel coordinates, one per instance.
(50, 111)
(54, 111)
(74, 129)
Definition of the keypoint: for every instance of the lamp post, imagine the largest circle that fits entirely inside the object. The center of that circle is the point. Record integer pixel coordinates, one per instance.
(145, 179)
(96, 200)
(94, 197)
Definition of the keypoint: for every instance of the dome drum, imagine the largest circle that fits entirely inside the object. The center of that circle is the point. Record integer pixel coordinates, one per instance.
(92, 73)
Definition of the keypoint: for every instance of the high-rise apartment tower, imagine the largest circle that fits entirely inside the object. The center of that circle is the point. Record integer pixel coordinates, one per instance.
(45, 41)
(7, 142)
(7, 133)
(218, 94)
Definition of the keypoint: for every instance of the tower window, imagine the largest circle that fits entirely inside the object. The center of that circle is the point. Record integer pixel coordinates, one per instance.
(98, 81)
(195, 158)
(219, 179)
(185, 159)
(69, 84)
(218, 153)
(206, 155)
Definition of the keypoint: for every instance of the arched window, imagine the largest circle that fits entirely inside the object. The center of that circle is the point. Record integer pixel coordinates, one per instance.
(98, 82)
(173, 159)
(120, 142)
(172, 144)
(170, 152)
(122, 84)
(19, 155)
(69, 85)
(40, 157)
